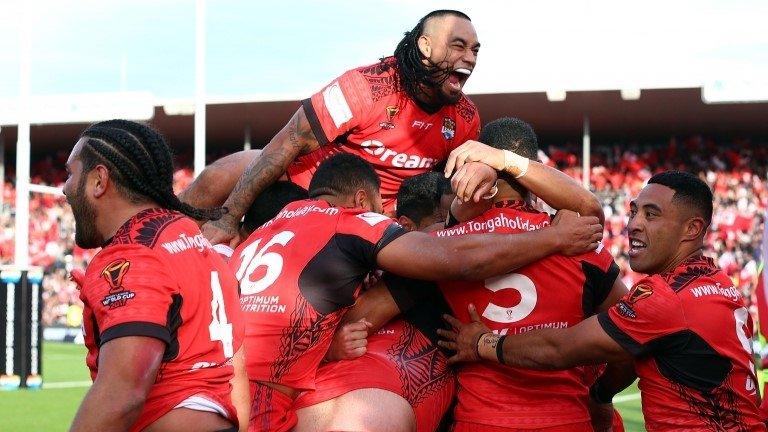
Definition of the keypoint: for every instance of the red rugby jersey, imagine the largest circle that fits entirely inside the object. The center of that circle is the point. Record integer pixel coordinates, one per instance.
(691, 336)
(556, 292)
(159, 277)
(362, 112)
(298, 274)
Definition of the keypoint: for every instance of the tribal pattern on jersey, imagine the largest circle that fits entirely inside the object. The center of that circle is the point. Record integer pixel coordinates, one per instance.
(693, 269)
(382, 84)
(298, 337)
(718, 408)
(418, 362)
(145, 227)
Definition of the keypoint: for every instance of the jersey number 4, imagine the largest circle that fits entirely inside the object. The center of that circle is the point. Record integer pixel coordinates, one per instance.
(220, 329)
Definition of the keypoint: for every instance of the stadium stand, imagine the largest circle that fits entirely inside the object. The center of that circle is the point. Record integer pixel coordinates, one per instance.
(732, 168)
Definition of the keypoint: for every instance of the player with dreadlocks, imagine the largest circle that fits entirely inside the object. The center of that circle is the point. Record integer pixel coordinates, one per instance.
(161, 310)
(403, 115)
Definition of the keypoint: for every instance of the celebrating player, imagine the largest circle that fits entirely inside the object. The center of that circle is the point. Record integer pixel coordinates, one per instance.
(402, 115)
(161, 316)
(396, 379)
(300, 271)
(685, 325)
(557, 291)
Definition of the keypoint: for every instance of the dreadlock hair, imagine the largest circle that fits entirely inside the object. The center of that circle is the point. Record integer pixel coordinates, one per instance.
(140, 164)
(410, 65)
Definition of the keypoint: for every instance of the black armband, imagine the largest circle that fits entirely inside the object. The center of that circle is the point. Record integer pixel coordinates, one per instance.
(500, 349)
(600, 394)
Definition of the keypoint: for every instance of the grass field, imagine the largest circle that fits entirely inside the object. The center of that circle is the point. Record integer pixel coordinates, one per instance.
(65, 382)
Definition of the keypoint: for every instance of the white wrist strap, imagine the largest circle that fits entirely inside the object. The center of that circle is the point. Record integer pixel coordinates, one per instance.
(514, 163)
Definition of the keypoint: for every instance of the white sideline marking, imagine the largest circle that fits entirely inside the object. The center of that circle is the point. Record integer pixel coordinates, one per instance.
(626, 398)
(66, 384)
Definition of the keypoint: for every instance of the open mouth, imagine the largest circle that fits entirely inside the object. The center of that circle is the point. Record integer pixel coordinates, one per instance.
(636, 247)
(458, 77)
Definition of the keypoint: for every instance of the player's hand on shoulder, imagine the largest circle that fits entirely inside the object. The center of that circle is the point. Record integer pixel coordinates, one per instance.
(463, 338)
(577, 234)
(474, 151)
(349, 341)
(222, 231)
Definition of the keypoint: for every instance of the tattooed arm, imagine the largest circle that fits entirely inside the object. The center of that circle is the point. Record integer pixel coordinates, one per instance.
(295, 139)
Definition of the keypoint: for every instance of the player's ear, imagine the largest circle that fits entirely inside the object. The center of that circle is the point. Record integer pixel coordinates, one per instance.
(362, 200)
(407, 223)
(99, 178)
(693, 228)
(424, 46)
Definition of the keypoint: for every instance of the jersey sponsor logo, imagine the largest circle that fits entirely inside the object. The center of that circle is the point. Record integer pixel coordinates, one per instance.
(638, 293)
(336, 104)
(625, 310)
(708, 290)
(418, 124)
(449, 128)
(391, 113)
(398, 160)
(185, 243)
(302, 211)
(114, 273)
(527, 328)
(262, 304)
(489, 226)
(372, 218)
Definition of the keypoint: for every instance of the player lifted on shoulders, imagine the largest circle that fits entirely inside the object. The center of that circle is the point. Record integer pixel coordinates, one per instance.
(161, 316)
(402, 115)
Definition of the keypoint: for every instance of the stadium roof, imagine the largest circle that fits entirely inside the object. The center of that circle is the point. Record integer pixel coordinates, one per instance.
(656, 113)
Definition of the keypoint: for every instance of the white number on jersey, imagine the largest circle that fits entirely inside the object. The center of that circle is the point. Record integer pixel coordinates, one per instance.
(253, 257)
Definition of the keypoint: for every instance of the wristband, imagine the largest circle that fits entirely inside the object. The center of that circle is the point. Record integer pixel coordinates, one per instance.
(515, 164)
(477, 346)
(600, 394)
(500, 349)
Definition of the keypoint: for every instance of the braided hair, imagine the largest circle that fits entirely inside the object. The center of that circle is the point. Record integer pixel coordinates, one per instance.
(140, 164)
(410, 65)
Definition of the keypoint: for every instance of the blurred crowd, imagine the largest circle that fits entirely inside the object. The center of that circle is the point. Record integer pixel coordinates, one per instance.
(734, 169)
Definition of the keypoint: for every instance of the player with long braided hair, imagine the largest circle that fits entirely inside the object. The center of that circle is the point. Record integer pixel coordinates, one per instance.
(161, 312)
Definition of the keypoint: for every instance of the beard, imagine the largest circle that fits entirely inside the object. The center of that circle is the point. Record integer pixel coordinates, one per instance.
(436, 81)
(86, 234)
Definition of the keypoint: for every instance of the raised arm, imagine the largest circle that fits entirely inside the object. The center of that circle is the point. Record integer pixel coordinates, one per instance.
(478, 256)
(212, 186)
(294, 139)
(554, 187)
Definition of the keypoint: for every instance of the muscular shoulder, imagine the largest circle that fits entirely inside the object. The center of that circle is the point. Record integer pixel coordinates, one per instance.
(380, 79)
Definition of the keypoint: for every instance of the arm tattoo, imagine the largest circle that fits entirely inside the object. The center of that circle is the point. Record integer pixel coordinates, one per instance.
(294, 139)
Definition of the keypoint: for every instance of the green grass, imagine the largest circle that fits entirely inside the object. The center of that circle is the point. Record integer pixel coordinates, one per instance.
(48, 409)
(52, 409)
(631, 411)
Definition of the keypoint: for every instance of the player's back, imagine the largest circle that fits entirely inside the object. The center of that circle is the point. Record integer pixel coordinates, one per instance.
(691, 334)
(159, 277)
(556, 292)
(298, 273)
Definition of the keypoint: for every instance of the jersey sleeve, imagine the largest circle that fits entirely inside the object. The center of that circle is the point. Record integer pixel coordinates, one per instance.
(601, 273)
(131, 293)
(361, 236)
(470, 123)
(339, 107)
(421, 303)
(641, 319)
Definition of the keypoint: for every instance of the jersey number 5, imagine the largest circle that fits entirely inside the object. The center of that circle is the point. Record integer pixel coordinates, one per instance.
(514, 281)
(253, 258)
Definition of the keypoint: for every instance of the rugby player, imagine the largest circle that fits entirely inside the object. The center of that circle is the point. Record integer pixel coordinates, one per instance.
(403, 115)
(161, 316)
(303, 269)
(685, 325)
